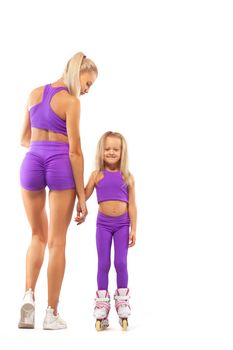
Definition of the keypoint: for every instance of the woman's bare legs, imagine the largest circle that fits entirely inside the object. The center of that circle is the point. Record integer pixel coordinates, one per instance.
(61, 209)
(34, 204)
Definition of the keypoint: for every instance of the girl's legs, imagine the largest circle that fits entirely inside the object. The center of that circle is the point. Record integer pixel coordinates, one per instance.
(103, 244)
(61, 208)
(121, 241)
(34, 203)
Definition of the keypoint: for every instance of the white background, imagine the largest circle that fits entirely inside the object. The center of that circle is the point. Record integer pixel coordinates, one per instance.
(165, 82)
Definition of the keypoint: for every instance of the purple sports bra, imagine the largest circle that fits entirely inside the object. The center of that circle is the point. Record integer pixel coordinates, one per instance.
(112, 187)
(43, 117)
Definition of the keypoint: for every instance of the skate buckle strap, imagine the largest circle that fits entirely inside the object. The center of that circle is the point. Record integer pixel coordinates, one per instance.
(121, 297)
(102, 299)
(100, 304)
(121, 303)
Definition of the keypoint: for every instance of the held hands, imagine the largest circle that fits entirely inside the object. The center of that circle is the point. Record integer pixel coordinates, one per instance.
(132, 238)
(81, 212)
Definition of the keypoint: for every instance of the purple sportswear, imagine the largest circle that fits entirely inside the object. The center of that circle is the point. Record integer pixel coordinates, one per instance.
(47, 163)
(108, 228)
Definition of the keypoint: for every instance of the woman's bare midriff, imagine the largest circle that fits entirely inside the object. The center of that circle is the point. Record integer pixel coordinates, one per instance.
(113, 208)
(44, 135)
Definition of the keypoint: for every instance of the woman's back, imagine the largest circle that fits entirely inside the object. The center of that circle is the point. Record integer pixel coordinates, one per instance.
(47, 109)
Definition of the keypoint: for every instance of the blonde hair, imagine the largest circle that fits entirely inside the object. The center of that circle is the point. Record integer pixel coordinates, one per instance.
(78, 64)
(124, 154)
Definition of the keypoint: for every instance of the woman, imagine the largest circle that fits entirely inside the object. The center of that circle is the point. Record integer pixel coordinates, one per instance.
(51, 130)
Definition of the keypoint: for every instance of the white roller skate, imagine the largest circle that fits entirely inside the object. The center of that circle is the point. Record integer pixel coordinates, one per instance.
(27, 311)
(122, 306)
(102, 308)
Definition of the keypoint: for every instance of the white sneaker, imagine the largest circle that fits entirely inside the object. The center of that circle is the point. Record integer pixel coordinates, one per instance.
(27, 311)
(53, 322)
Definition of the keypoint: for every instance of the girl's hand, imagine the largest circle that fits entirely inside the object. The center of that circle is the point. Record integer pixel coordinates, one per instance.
(132, 238)
(81, 212)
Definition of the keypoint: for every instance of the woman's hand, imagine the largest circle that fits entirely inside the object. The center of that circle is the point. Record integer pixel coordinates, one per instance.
(132, 238)
(81, 212)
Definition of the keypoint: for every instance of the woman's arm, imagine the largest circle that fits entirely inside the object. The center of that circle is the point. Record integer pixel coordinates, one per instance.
(75, 153)
(75, 150)
(132, 212)
(26, 130)
(88, 192)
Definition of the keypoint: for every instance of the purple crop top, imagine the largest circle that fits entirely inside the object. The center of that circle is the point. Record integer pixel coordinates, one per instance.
(43, 117)
(112, 187)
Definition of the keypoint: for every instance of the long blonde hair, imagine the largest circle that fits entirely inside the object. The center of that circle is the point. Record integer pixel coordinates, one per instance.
(124, 154)
(78, 64)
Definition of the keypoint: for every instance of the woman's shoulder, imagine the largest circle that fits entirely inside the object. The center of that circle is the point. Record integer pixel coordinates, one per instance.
(35, 95)
(37, 90)
(71, 103)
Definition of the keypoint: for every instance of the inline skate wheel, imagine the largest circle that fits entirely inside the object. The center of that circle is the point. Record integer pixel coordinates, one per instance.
(124, 324)
(98, 325)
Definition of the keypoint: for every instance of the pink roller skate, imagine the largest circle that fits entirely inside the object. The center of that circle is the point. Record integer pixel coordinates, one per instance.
(102, 308)
(122, 306)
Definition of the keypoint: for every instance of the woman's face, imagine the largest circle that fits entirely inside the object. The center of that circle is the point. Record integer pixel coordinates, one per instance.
(112, 150)
(86, 80)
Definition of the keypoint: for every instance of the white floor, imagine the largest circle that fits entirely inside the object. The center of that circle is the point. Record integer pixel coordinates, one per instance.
(80, 334)
(162, 324)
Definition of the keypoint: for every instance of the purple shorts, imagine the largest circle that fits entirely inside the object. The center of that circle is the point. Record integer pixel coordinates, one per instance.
(47, 164)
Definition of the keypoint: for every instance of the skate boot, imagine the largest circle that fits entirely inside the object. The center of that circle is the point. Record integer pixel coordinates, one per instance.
(27, 311)
(102, 308)
(52, 322)
(122, 306)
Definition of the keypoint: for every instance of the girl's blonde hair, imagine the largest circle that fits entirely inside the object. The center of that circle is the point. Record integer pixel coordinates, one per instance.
(124, 154)
(78, 64)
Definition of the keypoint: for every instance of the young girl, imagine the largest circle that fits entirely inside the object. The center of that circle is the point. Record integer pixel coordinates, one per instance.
(117, 214)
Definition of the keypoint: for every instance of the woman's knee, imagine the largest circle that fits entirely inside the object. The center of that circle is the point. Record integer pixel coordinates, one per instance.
(56, 242)
(39, 235)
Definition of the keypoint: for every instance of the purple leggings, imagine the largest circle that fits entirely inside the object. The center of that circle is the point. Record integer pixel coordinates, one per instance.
(108, 228)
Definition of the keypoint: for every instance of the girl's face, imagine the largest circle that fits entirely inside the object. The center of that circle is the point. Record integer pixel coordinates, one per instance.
(86, 80)
(112, 150)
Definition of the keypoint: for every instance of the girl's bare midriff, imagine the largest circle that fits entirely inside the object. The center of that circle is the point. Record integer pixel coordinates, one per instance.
(44, 135)
(113, 208)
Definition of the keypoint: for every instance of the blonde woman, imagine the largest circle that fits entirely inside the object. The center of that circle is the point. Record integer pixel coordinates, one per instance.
(54, 159)
(117, 214)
